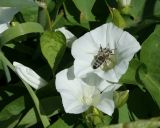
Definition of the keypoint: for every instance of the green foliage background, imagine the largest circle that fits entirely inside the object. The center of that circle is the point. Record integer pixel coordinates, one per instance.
(32, 41)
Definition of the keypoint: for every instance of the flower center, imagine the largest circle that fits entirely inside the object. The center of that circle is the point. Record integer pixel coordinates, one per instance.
(109, 63)
(91, 97)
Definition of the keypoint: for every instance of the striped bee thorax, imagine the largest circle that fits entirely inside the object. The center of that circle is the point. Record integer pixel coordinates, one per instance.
(101, 57)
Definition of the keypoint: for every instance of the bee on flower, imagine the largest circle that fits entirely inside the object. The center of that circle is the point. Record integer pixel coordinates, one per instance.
(105, 51)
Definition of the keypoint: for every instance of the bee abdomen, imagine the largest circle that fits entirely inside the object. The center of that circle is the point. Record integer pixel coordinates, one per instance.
(97, 63)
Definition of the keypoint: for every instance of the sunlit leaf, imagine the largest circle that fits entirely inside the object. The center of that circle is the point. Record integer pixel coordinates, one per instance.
(29, 119)
(123, 114)
(60, 124)
(12, 109)
(152, 123)
(130, 76)
(85, 8)
(149, 56)
(53, 45)
(19, 30)
(39, 109)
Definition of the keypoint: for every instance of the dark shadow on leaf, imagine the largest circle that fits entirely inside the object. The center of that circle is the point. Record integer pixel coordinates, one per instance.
(142, 105)
(72, 10)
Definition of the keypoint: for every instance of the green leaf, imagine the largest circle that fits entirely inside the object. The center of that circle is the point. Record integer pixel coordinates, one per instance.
(4, 67)
(29, 119)
(5, 60)
(11, 122)
(7, 73)
(20, 4)
(137, 102)
(130, 76)
(71, 12)
(85, 8)
(14, 108)
(19, 30)
(50, 105)
(149, 56)
(150, 84)
(53, 45)
(60, 21)
(124, 114)
(137, 11)
(152, 123)
(60, 124)
(40, 111)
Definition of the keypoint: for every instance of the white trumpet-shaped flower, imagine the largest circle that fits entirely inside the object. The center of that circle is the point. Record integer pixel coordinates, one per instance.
(78, 96)
(29, 76)
(6, 14)
(105, 51)
(3, 27)
(70, 37)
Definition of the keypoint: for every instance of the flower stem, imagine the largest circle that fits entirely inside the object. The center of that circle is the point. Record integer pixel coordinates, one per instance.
(43, 15)
(110, 9)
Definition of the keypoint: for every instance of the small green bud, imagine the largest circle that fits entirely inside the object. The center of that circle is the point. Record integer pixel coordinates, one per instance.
(118, 19)
(120, 98)
(97, 116)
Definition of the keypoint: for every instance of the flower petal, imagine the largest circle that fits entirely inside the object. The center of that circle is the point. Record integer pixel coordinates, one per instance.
(71, 92)
(110, 75)
(7, 13)
(85, 48)
(106, 35)
(127, 46)
(81, 68)
(106, 104)
(93, 79)
(29, 76)
(3, 27)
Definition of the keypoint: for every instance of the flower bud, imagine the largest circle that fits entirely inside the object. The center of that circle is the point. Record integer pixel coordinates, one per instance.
(120, 98)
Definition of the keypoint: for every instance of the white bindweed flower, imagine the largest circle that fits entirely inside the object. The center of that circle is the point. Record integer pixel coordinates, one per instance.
(105, 51)
(6, 14)
(78, 96)
(70, 37)
(29, 76)
(3, 27)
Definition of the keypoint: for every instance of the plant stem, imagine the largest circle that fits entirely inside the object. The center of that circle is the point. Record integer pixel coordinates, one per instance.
(43, 15)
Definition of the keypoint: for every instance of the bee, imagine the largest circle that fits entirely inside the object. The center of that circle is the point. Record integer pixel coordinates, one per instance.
(102, 56)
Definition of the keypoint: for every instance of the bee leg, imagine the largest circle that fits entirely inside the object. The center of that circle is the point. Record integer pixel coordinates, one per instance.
(100, 49)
